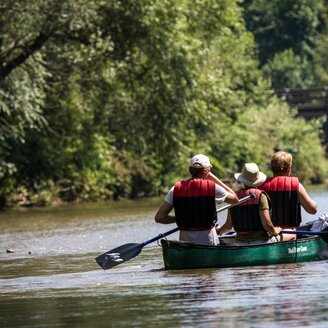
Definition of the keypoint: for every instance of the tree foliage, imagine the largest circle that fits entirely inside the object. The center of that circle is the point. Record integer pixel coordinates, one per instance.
(286, 34)
(108, 99)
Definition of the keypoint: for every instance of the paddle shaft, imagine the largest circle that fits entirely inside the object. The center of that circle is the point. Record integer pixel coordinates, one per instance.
(322, 234)
(300, 232)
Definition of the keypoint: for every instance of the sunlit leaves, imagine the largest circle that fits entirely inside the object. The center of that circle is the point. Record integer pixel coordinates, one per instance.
(115, 96)
(286, 31)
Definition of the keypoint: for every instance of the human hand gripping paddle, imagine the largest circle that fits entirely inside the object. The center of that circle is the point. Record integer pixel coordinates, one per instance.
(126, 252)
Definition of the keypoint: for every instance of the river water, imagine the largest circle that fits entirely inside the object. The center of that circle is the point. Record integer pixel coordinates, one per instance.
(52, 280)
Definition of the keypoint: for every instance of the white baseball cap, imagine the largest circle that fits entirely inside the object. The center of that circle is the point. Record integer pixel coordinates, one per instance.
(202, 161)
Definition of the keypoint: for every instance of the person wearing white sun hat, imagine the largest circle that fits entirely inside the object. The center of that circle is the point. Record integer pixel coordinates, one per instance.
(194, 202)
(251, 220)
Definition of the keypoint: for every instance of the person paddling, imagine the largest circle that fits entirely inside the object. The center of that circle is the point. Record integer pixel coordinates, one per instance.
(194, 203)
(287, 194)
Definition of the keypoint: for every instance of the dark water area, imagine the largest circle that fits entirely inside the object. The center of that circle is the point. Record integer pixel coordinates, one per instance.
(52, 280)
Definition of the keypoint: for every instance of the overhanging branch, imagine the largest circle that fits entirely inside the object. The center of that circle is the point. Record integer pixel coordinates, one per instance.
(37, 44)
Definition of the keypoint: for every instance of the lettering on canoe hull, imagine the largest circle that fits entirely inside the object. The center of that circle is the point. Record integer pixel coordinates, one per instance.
(294, 250)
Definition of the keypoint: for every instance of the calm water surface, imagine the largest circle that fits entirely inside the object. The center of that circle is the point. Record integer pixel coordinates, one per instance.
(52, 279)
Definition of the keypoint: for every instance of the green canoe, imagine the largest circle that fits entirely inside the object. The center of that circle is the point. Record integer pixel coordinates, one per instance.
(183, 255)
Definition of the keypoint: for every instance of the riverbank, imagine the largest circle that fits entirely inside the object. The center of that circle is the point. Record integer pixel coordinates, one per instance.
(23, 199)
(25, 203)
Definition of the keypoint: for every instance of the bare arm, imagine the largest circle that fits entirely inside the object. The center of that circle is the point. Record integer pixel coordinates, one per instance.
(231, 197)
(227, 226)
(267, 223)
(162, 215)
(265, 219)
(307, 203)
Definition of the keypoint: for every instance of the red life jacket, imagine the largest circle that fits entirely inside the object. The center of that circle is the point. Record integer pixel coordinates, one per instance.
(194, 204)
(286, 209)
(245, 216)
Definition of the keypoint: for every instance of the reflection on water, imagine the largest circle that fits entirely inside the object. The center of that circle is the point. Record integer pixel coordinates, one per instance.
(59, 284)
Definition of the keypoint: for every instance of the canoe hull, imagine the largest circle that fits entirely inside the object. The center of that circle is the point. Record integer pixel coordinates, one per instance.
(183, 255)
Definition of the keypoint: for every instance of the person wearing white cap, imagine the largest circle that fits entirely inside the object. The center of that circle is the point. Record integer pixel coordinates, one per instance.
(194, 202)
(251, 220)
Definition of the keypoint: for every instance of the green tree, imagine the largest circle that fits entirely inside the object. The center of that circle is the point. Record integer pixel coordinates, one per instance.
(282, 28)
(119, 94)
(289, 70)
(26, 27)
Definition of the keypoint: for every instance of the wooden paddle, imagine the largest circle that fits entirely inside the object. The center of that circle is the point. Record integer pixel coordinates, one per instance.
(322, 234)
(126, 252)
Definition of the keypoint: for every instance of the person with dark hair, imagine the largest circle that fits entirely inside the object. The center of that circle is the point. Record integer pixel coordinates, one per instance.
(251, 220)
(194, 202)
(287, 194)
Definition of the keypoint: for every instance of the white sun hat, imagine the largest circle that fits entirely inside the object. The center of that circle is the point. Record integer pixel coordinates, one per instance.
(251, 175)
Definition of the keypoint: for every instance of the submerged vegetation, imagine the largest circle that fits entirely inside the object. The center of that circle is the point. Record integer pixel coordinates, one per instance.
(109, 99)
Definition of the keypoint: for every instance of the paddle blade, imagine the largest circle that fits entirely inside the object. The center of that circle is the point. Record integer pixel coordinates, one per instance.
(119, 255)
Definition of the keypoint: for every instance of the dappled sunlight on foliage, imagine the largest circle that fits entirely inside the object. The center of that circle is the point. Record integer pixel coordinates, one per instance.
(101, 100)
